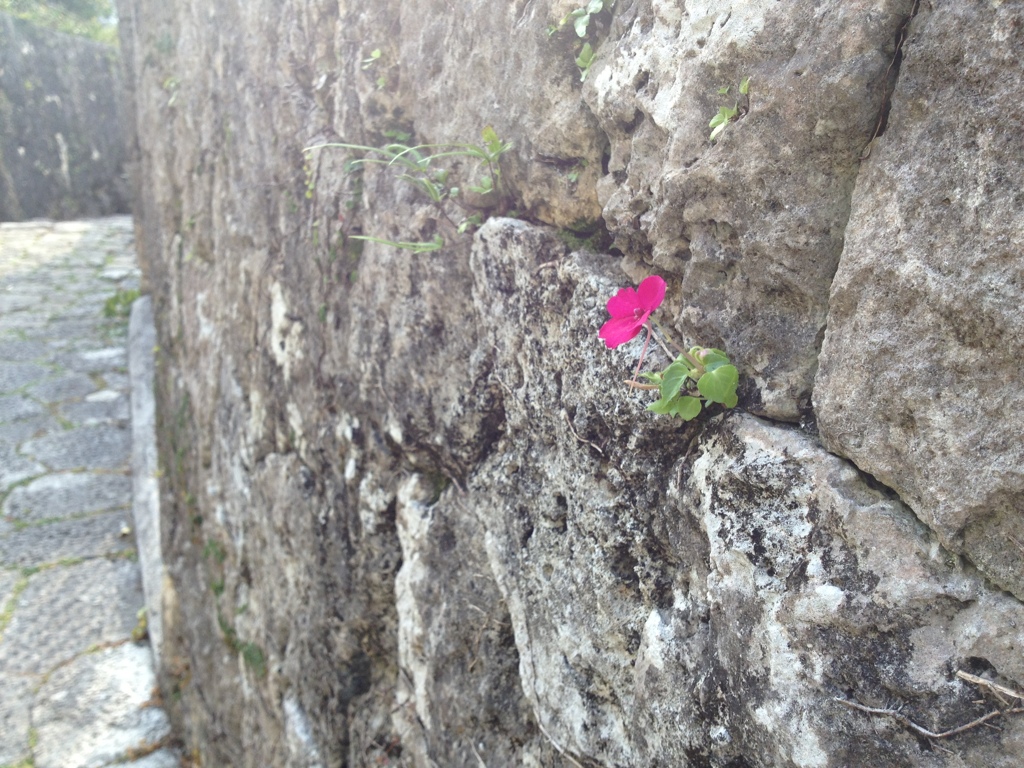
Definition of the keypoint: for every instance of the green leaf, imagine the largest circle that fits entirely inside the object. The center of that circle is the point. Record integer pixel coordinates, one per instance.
(719, 128)
(375, 54)
(724, 90)
(580, 25)
(686, 408)
(485, 186)
(660, 406)
(719, 385)
(745, 86)
(672, 380)
(491, 140)
(253, 656)
(584, 60)
(595, 6)
(712, 358)
(685, 360)
(654, 378)
(586, 57)
(416, 247)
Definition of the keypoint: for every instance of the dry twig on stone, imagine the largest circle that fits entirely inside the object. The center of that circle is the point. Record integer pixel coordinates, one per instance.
(1004, 694)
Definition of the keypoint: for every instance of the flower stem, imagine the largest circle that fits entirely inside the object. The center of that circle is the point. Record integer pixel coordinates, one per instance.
(637, 385)
(664, 349)
(643, 352)
(668, 338)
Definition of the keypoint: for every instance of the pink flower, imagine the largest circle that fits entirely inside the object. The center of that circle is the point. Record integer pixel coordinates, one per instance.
(630, 309)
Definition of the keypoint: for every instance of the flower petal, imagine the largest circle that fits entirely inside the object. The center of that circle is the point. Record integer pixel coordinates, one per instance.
(651, 293)
(619, 330)
(623, 303)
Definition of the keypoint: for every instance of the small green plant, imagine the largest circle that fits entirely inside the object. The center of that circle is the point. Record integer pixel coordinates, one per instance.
(253, 656)
(693, 380)
(580, 19)
(251, 653)
(214, 549)
(585, 60)
(372, 59)
(420, 166)
(119, 306)
(141, 630)
(415, 246)
(171, 86)
(574, 173)
(728, 115)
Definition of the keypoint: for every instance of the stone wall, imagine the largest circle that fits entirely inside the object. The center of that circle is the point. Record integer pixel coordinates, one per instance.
(61, 141)
(410, 514)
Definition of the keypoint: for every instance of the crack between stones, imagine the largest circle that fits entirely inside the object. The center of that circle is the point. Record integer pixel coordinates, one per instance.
(872, 482)
(891, 73)
(809, 421)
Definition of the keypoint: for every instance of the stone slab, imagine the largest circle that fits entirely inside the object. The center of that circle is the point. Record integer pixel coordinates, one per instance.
(96, 536)
(65, 495)
(116, 274)
(18, 407)
(116, 380)
(96, 710)
(68, 609)
(8, 579)
(100, 447)
(17, 432)
(99, 360)
(15, 468)
(17, 375)
(15, 723)
(919, 380)
(72, 327)
(14, 303)
(24, 324)
(98, 412)
(21, 351)
(68, 386)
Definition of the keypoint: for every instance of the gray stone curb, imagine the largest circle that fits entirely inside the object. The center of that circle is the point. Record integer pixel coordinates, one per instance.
(77, 448)
(145, 485)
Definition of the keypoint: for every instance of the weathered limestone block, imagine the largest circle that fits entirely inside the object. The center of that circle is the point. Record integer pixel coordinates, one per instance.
(61, 145)
(751, 226)
(411, 515)
(499, 67)
(705, 596)
(920, 371)
(459, 695)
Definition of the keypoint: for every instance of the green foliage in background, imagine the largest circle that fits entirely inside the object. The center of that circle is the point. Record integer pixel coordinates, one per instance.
(87, 18)
(119, 306)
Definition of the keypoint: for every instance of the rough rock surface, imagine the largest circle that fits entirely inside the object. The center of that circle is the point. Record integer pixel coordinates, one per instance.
(920, 375)
(410, 515)
(62, 149)
(752, 225)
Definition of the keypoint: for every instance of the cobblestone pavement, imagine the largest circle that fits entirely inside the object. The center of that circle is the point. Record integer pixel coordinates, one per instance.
(77, 687)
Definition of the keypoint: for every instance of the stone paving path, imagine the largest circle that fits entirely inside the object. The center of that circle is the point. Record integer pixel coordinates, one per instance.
(77, 687)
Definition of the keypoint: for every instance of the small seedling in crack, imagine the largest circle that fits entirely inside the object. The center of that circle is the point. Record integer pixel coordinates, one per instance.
(728, 115)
